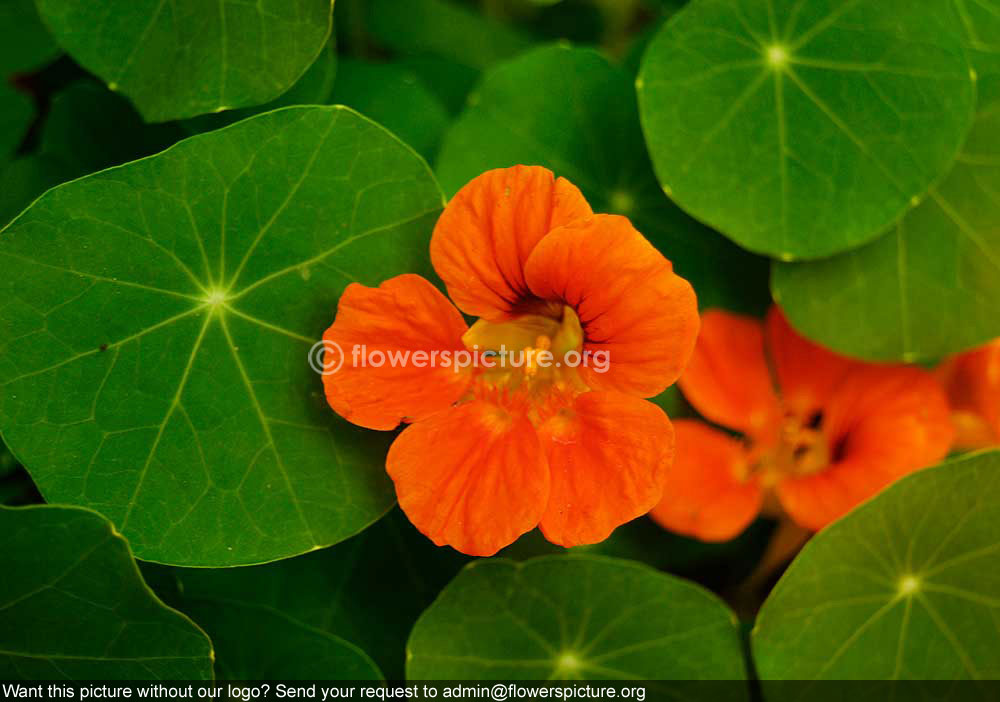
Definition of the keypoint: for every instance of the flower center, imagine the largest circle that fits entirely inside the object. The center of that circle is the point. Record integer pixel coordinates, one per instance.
(532, 356)
(798, 448)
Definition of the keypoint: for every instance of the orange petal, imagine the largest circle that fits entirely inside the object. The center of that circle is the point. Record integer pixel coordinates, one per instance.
(807, 373)
(488, 230)
(728, 380)
(972, 381)
(608, 454)
(473, 477)
(703, 496)
(636, 313)
(883, 423)
(404, 315)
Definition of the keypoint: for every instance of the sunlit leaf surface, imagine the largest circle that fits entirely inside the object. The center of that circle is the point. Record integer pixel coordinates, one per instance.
(906, 586)
(943, 255)
(156, 323)
(927, 288)
(801, 128)
(568, 617)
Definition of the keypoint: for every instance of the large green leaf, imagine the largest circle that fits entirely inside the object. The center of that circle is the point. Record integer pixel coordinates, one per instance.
(395, 98)
(551, 107)
(574, 617)
(905, 586)
(801, 128)
(387, 574)
(25, 43)
(944, 254)
(157, 319)
(927, 288)
(187, 57)
(73, 605)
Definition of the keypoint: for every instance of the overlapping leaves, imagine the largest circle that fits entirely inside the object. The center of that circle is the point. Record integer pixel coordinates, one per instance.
(804, 128)
(906, 586)
(156, 319)
(929, 286)
(156, 324)
(387, 574)
(185, 57)
(73, 605)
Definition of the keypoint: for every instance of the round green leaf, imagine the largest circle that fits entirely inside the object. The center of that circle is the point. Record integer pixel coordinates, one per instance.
(907, 586)
(551, 107)
(570, 617)
(802, 128)
(927, 288)
(25, 43)
(156, 324)
(73, 605)
(187, 57)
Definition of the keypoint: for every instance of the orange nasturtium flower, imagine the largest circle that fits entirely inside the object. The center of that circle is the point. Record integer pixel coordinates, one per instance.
(490, 454)
(821, 433)
(972, 380)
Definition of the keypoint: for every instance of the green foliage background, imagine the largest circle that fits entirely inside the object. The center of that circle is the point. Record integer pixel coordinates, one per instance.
(177, 501)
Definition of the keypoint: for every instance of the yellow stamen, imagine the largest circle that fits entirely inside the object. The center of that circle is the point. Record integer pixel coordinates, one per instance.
(529, 358)
(542, 343)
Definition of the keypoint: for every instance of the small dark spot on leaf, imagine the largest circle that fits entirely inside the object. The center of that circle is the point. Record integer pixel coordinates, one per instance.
(104, 347)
